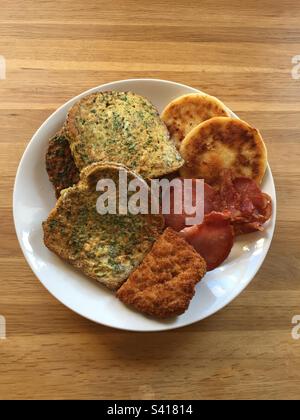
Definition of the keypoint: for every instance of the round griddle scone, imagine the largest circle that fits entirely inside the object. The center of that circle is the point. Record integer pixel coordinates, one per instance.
(223, 143)
(186, 112)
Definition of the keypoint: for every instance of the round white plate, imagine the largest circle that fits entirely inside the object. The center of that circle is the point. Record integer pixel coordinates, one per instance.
(34, 198)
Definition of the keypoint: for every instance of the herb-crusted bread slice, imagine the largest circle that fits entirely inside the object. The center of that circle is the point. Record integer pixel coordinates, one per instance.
(104, 247)
(60, 164)
(121, 127)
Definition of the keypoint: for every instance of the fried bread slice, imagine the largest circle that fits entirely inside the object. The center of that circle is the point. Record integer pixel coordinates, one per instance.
(60, 164)
(121, 127)
(164, 284)
(105, 247)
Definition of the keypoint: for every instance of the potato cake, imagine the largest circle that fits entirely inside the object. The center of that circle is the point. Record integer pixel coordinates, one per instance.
(186, 112)
(223, 143)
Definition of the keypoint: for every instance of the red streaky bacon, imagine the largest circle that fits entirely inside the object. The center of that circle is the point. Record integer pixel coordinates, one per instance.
(213, 239)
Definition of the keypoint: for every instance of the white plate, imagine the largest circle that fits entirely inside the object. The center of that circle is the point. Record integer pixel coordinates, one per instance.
(34, 198)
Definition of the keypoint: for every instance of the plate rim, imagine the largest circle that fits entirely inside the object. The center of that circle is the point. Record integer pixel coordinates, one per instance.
(163, 327)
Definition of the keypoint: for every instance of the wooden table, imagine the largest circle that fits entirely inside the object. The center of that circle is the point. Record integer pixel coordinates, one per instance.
(239, 51)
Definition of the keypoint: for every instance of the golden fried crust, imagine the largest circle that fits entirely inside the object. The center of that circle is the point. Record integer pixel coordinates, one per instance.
(186, 112)
(106, 247)
(164, 284)
(223, 143)
(121, 127)
(60, 164)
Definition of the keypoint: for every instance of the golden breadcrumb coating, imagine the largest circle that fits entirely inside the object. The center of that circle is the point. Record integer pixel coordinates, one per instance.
(164, 284)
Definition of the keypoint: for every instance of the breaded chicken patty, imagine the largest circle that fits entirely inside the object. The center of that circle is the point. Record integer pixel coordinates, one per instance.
(164, 284)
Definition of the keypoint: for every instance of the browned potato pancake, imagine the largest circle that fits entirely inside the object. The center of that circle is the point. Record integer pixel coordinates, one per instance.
(164, 284)
(104, 247)
(60, 164)
(223, 143)
(186, 112)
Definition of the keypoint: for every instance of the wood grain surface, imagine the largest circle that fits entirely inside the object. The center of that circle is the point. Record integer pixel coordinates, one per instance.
(239, 51)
